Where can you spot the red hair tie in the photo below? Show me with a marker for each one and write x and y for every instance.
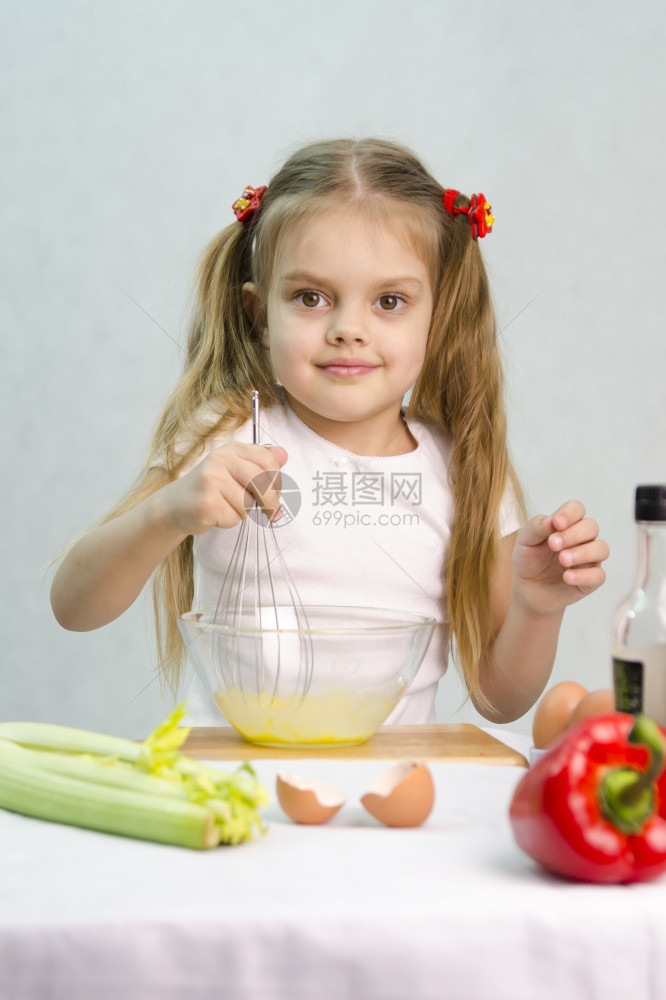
(479, 212)
(248, 203)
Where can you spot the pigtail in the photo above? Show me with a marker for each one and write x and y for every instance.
(225, 362)
(461, 387)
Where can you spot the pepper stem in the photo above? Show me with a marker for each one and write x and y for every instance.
(626, 795)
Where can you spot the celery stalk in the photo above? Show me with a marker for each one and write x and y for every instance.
(147, 790)
(96, 770)
(46, 736)
(42, 795)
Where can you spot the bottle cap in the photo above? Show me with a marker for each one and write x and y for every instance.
(651, 503)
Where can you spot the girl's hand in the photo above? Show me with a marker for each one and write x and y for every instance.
(557, 559)
(219, 491)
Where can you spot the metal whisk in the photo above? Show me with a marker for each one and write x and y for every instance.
(267, 647)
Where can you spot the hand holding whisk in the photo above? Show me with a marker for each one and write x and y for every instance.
(258, 593)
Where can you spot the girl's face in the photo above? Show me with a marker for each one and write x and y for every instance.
(348, 316)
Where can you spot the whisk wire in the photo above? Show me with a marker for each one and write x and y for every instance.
(249, 599)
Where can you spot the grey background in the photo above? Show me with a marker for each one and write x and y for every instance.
(127, 130)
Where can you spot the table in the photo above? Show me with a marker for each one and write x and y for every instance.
(347, 910)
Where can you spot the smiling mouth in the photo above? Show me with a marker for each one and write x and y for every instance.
(347, 367)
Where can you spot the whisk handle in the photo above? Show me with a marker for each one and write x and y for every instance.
(255, 417)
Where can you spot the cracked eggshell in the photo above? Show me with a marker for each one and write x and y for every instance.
(307, 801)
(402, 796)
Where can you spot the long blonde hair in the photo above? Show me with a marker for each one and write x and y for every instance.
(459, 388)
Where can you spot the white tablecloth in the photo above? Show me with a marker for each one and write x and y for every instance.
(347, 910)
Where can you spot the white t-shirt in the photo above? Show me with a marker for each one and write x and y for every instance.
(361, 531)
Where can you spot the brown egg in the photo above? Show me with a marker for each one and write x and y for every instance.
(553, 712)
(402, 796)
(305, 801)
(594, 703)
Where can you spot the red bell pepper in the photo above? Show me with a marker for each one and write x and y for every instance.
(593, 808)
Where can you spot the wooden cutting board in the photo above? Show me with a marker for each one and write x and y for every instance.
(455, 742)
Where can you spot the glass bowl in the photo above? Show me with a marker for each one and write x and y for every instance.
(310, 677)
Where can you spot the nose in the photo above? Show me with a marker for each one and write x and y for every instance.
(347, 327)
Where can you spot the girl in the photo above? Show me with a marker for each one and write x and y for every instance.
(350, 280)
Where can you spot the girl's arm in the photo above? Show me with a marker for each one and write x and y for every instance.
(104, 572)
(551, 562)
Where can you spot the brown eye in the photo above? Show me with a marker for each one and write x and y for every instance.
(310, 299)
(389, 302)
